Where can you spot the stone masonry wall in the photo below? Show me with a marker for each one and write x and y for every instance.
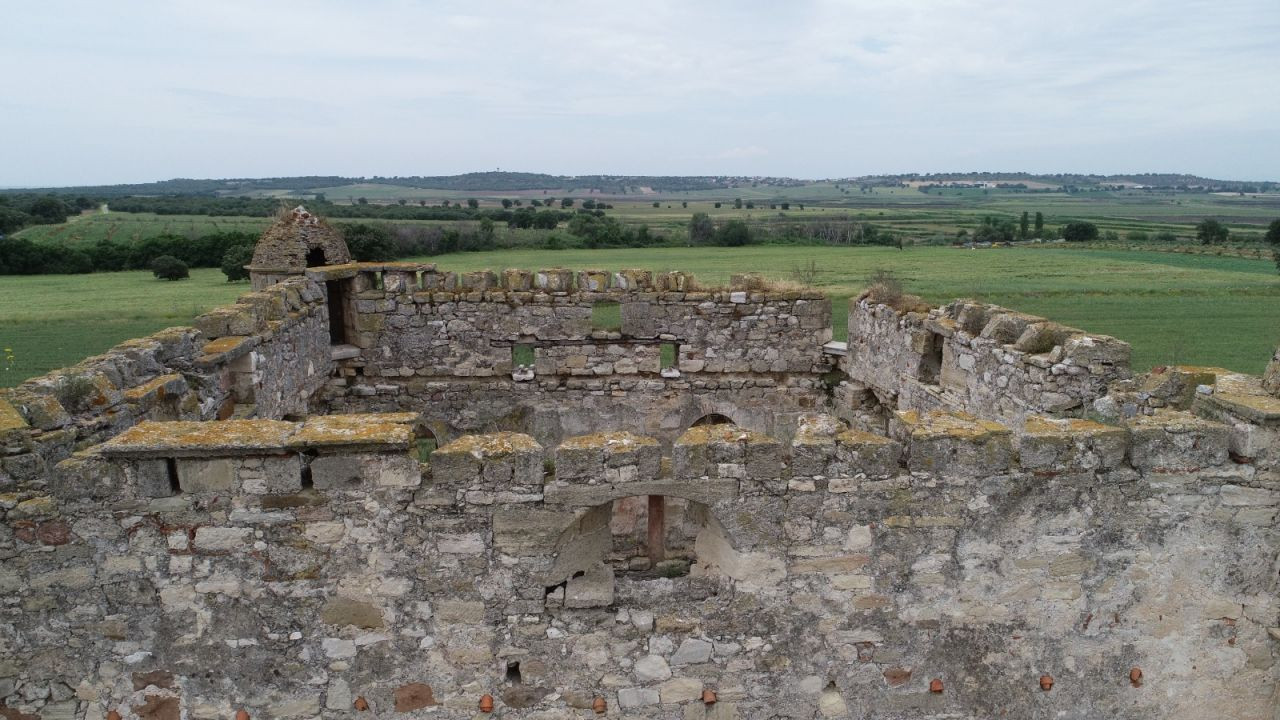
(954, 568)
(978, 358)
(432, 342)
(261, 357)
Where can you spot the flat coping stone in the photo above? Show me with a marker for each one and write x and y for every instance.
(186, 438)
(357, 430)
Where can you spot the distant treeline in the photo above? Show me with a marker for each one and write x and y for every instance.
(1158, 181)
(20, 210)
(19, 256)
(468, 182)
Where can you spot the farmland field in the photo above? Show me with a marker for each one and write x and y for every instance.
(1172, 308)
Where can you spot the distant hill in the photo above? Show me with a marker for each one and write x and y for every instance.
(623, 184)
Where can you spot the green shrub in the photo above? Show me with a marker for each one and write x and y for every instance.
(234, 260)
(1079, 231)
(168, 267)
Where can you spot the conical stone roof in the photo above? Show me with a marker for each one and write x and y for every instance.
(295, 237)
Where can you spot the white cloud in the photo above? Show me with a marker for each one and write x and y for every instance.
(146, 90)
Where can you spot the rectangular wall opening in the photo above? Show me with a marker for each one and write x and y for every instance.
(522, 355)
(606, 316)
(669, 355)
(337, 294)
(931, 361)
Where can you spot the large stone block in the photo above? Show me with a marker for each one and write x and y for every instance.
(1176, 441)
(212, 475)
(953, 443)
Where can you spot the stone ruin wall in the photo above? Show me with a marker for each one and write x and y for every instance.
(182, 569)
(431, 342)
(984, 359)
(314, 568)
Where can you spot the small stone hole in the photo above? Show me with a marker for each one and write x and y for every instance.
(171, 467)
(307, 481)
(513, 673)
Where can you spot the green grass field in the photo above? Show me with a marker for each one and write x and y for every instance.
(51, 321)
(1171, 308)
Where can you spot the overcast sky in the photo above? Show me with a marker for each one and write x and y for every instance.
(103, 92)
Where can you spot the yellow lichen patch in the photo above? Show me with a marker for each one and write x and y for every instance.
(334, 272)
(859, 437)
(1259, 408)
(608, 441)
(1170, 420)
(944, 423)
(147, 389)
(159, 438)
(817, 429)
(224, 345)
(1239, 384)
(1065, 428)
(722, 433)
(491, 445)
(10, 418)
(356, 429)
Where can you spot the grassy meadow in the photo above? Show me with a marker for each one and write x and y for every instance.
(1172, 308)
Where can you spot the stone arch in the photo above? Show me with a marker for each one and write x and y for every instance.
(712, 419)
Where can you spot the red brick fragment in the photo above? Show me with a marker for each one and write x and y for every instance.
(413, 696)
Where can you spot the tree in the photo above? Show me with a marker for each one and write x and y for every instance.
(655, 203)
(363, 201)
(717, 206)
(1164, 236)
(566, 202)
(506, 203)
(486, 229)
(473, 203)
(684, 204)
(701, 229)
(1273, 233)
(751, 205)
(994, 229)
(734, 233)
(1079, 231)
(1273, 237)
(1211, 232)
(49, 211)
(1023, 225)
(786, 206)
(234, 260)
(1039, 224)
(168, 267)
(737, 204)
(368, 243)
(12, 219)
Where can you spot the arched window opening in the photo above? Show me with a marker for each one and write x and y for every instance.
(425, 442)
(315, 257)
(712, 419)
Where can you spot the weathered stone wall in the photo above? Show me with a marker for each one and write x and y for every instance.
(264, 356)
(316, 570)
(551, 408)
(434, 342)
(415, 321)
(978, 358)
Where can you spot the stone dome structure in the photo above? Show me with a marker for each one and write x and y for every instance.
(296, 241)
